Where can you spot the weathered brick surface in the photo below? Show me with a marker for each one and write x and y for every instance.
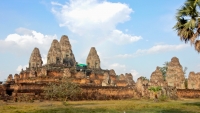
(93, 60)
(188, 93)
(194, 81)
(35, 59)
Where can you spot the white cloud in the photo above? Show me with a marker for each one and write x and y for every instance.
(24, 40)
(116, 65)
(162, 48)
(119, 69)
(85, 15)
(135, 74)
(155, 49)
(20, 67)
(94, 18)
(125, 55)
(23, 31)
(119, 37)
(44, 59)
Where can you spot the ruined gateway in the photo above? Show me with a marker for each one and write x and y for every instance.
(97, 83)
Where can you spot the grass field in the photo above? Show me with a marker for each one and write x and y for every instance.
(111, 106)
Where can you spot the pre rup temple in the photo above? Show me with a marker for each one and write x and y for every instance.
(96, 83)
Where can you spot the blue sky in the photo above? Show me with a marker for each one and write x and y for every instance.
(130, 36)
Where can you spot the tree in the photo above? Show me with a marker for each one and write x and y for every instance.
(144, 78)
(186, 80)
(155, 90)
(184, 70)
(63, 89)
(188, 23)
(164, 69)
(186, 83)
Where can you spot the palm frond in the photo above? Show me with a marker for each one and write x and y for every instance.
(197, 45)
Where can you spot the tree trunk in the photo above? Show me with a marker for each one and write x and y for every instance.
(156, 98)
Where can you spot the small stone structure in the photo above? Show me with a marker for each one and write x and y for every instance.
(54, 55)
(112, 72)
(194, 81)
(10, 78)
(93, 60)
(129, 79)
(106, 79)
(142, 85)
(35, 60)
(175, 75)
(66, 51)
(122, 77)
(157, 78)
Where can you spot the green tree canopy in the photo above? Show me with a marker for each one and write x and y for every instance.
(164, 69)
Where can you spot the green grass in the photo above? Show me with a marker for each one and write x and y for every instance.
(111, 106)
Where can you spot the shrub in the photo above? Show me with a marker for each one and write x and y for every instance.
(163, 98)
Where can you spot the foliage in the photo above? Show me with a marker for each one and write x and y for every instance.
(63, 89)
(188, 23)
(186, 83)
(155, 89)
(163, 98)
(144, 78)
(184, 70)
(186, 80)
(164, 69)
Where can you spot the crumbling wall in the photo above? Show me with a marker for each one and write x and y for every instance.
(107, 93)
(194, 81)
(2, 90)
(188, 93)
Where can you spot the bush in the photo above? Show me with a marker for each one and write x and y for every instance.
(163, 98)
(62, 90)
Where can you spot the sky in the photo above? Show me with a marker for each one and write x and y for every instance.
(130, 36)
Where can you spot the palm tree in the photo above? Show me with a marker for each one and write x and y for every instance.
(155, 90)
(188, 23)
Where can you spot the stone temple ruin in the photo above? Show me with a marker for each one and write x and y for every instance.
(194, 80)
(157, 78)
(61, 62)
(96, 83)
(93, 60)
(175, 75)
